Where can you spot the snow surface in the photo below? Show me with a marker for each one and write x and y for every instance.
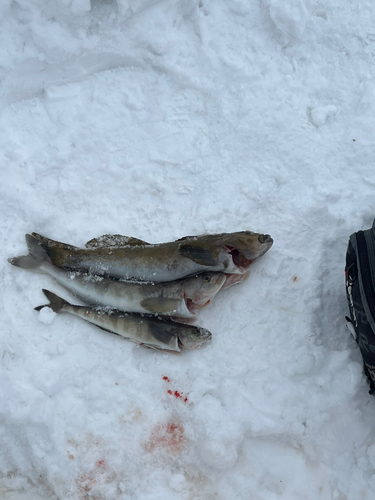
(159, 119)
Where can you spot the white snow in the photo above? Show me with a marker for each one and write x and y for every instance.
(160, 119)
(46, 316)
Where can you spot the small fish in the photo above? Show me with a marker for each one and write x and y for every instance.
(177, 298)
(124, 257)
(151, 331)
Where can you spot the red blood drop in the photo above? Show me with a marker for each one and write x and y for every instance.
(101, 466)
(169, 391)
(171, 428)
(166, 378)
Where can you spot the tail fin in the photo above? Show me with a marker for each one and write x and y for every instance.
(36, 256)
(56, 302)
(55, 250)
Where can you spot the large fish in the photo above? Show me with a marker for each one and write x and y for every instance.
(151, 331)
(126, 257)
(177, 298)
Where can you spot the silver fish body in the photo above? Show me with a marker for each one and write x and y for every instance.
(151, 331)
(179, 298)
(126, 257)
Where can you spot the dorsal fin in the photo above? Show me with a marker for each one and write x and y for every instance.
(114, 240)
(186, 238)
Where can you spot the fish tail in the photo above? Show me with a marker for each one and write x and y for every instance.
(56, 302)
(37, 255)
(55, 250)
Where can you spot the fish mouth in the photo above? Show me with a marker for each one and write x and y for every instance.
(265, 238)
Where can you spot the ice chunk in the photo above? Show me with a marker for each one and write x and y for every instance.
(320, 115)
(46, 316)
(290, 17)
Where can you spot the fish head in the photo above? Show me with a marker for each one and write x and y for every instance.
(246, 246)
(203, 287)
(192, 337)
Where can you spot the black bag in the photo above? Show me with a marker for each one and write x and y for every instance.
(360, 291)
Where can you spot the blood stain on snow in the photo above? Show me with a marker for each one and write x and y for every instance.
(100, 464)
(85, 481)
(180, 395)
(168, 436)
(295, 278)
(176, 394)
(71, 457)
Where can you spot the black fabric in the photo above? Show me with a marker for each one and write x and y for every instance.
(360, 276)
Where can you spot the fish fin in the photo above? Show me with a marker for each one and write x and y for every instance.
(114, 240)
(56, 302)
(205, 256)
(36, 256)
(160, 333)
(56, 250)
(177, 350)
(185, 238)
(161, 305)
(48, 244)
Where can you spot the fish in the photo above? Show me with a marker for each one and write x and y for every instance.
(151, 331)
(179, 298)
(124, 257)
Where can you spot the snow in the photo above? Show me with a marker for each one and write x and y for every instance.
(160, 119)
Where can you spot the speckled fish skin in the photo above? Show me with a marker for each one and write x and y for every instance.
(177, 298)
(124, 257)
(151, 331)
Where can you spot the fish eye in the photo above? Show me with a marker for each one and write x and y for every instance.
(197, 331)
(206, 278)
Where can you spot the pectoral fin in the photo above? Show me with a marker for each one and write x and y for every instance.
(161, 305)
(160, 333)
(205, 256)
(114, 240)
